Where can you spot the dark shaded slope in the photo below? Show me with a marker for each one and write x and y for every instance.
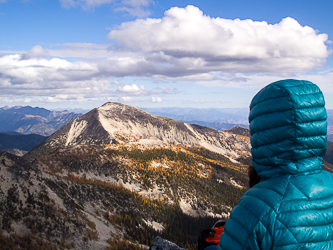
(21, 142)
(44, 148)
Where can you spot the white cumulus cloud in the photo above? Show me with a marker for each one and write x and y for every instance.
(191, 41)
(131, 88)
(35, 76)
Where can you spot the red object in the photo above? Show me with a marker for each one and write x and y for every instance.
(217, 230)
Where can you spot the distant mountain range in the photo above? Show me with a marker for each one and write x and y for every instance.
(29, 120)
(219, 118)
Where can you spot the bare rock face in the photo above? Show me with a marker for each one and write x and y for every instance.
(161, 244)
(119, 123)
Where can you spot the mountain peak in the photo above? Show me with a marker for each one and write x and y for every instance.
(110, 105)
(120, 108)
(117, 123)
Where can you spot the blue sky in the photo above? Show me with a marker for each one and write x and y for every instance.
(148, 53)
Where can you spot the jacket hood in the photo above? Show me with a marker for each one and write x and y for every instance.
(288, 125)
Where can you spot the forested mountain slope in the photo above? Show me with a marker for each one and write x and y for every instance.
(88, 197)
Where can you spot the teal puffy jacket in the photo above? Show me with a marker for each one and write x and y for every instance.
(292, 208)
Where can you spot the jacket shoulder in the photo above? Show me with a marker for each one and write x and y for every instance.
(251, 224)
(305, 216)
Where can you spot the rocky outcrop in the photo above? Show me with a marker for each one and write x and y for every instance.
(238, 130)
(161, 244)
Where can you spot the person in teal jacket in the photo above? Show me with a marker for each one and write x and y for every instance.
(292, 207)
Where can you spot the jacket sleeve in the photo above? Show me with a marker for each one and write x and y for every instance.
(249, 227)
